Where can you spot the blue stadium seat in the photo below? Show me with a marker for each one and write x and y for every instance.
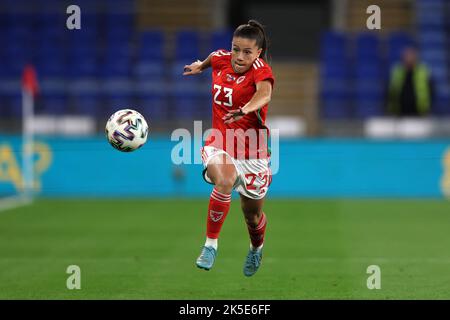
(117, 61)
(334, 45)
(83, 38)
(220, 39)
(186, 88)
(186, 107)
(118, 94)
(337, 70)
(88, 104)
(154, 107)
(431, 14)
(53, 96)
(15, 61)
(442, 100)
(4, 70)
(204, 109)
(336, 108)
(52, 22)
(116, 68)
(335, 76)
(120, 20)
(152, 98)
(149, 70)
(11, 100)
(21, 18)
(369, 71)
(52, 6)
(367, 108)
(54, 104)
(50, 48)
(119, 36)
(438, 71)
(113, 102)
(367, 47)
(117, 50)
(86, 67)
(123, 6)
(151, 45)
(431, 56)
(86, 96)
(51, 67)
(186, 94)
(431, 19)
(15, 104)
(187, 45)
(19, 36)
(436, 39)
(369, 98)
(82, 62)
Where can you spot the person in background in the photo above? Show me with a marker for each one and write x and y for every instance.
(410, 87)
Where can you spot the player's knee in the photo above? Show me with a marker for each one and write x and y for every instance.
(224, 184)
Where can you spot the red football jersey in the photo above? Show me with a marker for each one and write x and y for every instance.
(248, 136)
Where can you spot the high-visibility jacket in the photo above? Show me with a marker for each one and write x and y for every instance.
(421, 77)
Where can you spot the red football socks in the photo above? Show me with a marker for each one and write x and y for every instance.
(219, 205)
(257, 234)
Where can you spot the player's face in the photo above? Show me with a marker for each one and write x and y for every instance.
(243, 53)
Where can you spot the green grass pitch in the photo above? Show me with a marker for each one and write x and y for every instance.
(146, 249)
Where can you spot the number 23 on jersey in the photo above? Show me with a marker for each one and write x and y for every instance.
(228, 95)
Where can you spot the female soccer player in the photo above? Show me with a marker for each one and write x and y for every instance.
(235, 155)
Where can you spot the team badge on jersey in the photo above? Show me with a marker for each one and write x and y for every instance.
(240, 79)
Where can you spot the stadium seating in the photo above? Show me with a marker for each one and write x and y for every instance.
(118, 59)
(187, 45)
(335, 76)
(85, 95)
(369, 76)
(105, 65)
(152, 98)
(433, 34)
(355, 67)
(220, 39)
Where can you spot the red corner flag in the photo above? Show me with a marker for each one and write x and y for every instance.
(29, 80)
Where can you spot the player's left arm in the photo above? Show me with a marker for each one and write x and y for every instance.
(261, 97)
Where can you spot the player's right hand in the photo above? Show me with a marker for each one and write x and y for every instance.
(193, 68)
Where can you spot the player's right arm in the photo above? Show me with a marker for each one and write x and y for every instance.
(197, 66)
(216, 60)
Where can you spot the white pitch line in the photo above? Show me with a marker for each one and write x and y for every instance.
(13, 202)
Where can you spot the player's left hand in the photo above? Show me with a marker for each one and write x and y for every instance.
(233, 115)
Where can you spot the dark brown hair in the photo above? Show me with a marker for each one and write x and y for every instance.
(255, 31)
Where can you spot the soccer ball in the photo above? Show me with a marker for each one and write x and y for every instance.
(126, 130)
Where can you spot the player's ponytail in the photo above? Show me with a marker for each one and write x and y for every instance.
(254, 30)
(264, 41)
